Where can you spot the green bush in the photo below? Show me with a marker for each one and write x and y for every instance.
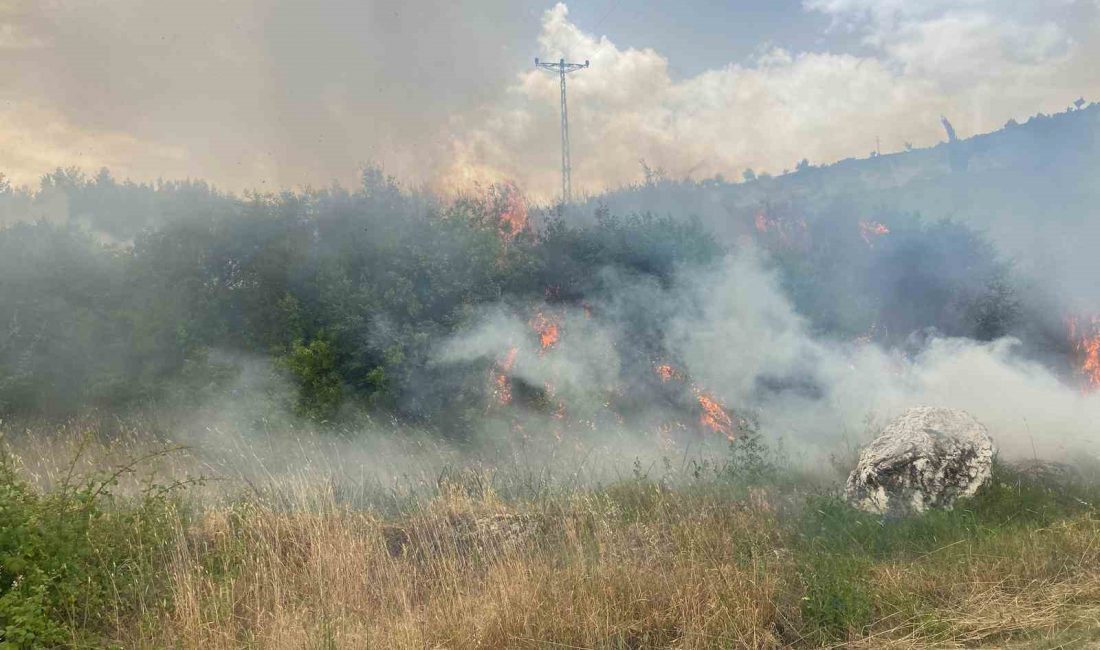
(69, 562)
(320, 388)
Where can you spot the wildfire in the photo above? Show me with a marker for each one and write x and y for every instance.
(513, 211)
(1086, 342)
(714, 417)
(499, 377)
(868, 230)
(1091, 367)
(667, 373)
(547, 328)
(785, 231)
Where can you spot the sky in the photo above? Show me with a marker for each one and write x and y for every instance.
(269, 94)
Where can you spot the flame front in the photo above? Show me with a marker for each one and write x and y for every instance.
(500, 378)
(1086, 342)
(513, 213)
(714, 417)
(547, 329)
(782, 231)
(667, 373)
(1091, 366)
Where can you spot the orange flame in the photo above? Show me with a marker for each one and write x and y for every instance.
(714, 417)
(667, 373)
(548, 330)
(513, 214)
(1091, 367)
(785, 231)
(868, 230)
(1086, 342)
(499, 377)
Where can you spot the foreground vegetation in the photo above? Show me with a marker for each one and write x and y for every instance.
(740, 553)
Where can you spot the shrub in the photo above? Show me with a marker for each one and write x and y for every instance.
(69, 563)
(320, 386)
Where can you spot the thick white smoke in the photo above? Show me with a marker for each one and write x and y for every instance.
(739, 337)
(748, 330)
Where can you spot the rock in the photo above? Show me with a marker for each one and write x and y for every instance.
(926, 458)
(1048, 472)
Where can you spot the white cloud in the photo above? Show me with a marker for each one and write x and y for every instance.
(260, 90)
(978, 61)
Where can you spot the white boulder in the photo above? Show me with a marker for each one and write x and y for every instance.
(926, 458)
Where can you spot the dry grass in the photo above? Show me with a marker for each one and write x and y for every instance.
(631, 565)
(687, 572)
(1041, 583)
(466, 574)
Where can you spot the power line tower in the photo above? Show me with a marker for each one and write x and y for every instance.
(563, 68)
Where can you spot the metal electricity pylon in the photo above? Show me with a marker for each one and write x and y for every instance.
(563, 68)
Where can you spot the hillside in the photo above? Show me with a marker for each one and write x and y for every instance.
(1031, 187)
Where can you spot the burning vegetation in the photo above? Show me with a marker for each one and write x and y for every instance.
(376, 302)
(784, 229)
(1084, 334)
(511, 205)
(677, 392)
(667, 373)
(870, 230)
(713, 417)
(500, 379)
(354, 294)
(548, 329)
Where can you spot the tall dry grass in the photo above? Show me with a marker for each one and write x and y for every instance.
(466, 572)
(290, 561)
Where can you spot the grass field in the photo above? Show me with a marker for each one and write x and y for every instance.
(743, 553)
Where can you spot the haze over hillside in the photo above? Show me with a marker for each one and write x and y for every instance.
(796, 303)
(1030, 186)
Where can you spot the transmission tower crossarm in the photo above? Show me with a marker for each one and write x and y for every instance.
(561, 66)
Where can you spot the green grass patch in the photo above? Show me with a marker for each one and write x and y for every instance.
(837, 548)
